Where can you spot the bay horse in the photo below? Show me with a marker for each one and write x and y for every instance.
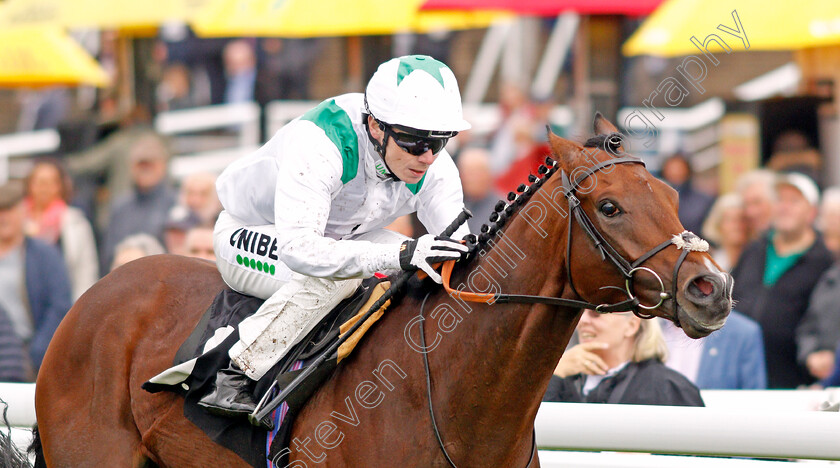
(487, 365)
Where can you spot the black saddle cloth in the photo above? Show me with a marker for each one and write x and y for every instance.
(229, 308)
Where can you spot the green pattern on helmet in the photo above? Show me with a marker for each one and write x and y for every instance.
(420, 62)
(335, 122)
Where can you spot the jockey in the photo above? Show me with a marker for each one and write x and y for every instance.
(304, 215)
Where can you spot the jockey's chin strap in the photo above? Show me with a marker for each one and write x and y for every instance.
(685, 241)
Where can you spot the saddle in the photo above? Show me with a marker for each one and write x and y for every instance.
(229, 308)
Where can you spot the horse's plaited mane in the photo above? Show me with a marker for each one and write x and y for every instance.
(610, 142)
(505, 209)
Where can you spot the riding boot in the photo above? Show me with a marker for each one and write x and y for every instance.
(233, 396)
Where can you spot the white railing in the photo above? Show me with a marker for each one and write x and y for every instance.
(683, 430)
(767, 424)
(279, 113)
(21, 412)
(243, 117)
(195, 150)
(25, 144)
(206, 161)
(569, 459)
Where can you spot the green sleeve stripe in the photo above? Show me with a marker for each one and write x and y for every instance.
(414, 188)
(335, 122)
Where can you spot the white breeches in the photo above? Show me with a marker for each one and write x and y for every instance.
(294, 303)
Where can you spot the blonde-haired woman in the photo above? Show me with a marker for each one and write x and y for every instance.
(726, 228)
(620, 359)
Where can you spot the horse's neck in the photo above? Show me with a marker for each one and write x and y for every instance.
(499, 359)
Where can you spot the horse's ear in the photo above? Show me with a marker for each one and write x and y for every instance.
(565, 150)
(603, 126)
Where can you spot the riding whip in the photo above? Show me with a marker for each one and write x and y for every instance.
(265, 408)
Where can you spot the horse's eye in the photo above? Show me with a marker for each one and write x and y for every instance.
(609, 209)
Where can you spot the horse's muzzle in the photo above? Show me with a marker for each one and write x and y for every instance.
(707, 300)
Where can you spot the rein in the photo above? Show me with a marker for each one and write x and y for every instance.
(431, 405)
(685, 241)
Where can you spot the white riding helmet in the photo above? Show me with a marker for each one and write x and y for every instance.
(418, 92)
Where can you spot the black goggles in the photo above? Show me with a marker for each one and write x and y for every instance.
(416, 145)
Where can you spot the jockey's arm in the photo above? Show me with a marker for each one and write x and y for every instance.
(303, 199)
(442, 200)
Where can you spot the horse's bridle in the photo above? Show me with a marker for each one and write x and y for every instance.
(685, 241)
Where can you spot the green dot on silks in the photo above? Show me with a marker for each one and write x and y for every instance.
(253, 263)
(239, 259)
(259, 266)
(271, 269)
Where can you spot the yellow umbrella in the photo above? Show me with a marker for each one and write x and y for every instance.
(317, 18)
(782, 25)
(43, 56)
(104, 14)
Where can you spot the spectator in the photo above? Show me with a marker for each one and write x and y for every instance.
(146, 207)
(792, 152)
(136, 246)
(513, 139)
(285, 65)
(203, 56)
(757, 192)
(694, 205)
(174, 92)
(730, 358)
(103, 172)
(43, 108)
(833, 380)
(480, 196)
(34, 288)
(198, 195)
(199, 243)
(49, 218)
(776, 274)
(829, 220)
(726, 229)
(14, 362)
(179, 222)
(619, 360)
(240, 71)
(818, 334)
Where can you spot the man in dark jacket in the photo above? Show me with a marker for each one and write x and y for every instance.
(694, 204)
(776, 274)
(14, 362)
(146, 207)
(34, 288)
(818, 333)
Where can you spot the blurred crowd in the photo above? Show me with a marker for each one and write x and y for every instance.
(51, 252)
(82, 213)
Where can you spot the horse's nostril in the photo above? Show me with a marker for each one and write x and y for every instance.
(703, 287)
